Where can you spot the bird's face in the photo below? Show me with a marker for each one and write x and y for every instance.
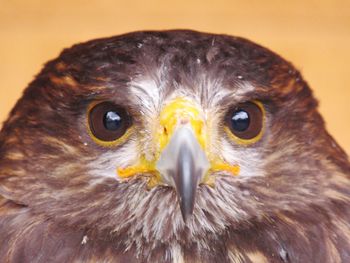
(179, 140)
(162, 135)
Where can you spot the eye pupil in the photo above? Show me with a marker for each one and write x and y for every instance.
(240, 120)
(112, 121)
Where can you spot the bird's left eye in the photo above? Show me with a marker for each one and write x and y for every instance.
(108, 122)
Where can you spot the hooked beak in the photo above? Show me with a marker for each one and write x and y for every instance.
(182, 164)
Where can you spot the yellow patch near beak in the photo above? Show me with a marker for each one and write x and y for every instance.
(220, 166)
(181, 111)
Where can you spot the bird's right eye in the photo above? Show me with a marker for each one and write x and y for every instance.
(108, 122)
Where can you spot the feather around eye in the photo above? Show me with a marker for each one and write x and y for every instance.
(245, 123)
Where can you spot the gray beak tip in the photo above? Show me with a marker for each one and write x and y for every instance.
(186, 210)
(185, 218)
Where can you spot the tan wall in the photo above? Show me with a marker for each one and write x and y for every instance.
(314, 35)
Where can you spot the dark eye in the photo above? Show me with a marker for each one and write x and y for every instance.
(108, 122)
(245, 121)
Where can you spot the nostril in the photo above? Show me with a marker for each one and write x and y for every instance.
(165, 131)
(184, 121)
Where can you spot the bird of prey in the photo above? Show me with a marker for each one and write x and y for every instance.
(171, 146)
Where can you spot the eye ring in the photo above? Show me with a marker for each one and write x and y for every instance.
(108, 123)
(245, 123)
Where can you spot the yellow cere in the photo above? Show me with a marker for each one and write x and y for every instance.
(182, 110)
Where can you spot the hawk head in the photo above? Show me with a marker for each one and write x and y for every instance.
(157, 137)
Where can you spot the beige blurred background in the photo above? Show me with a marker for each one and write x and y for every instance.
(314, 35)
